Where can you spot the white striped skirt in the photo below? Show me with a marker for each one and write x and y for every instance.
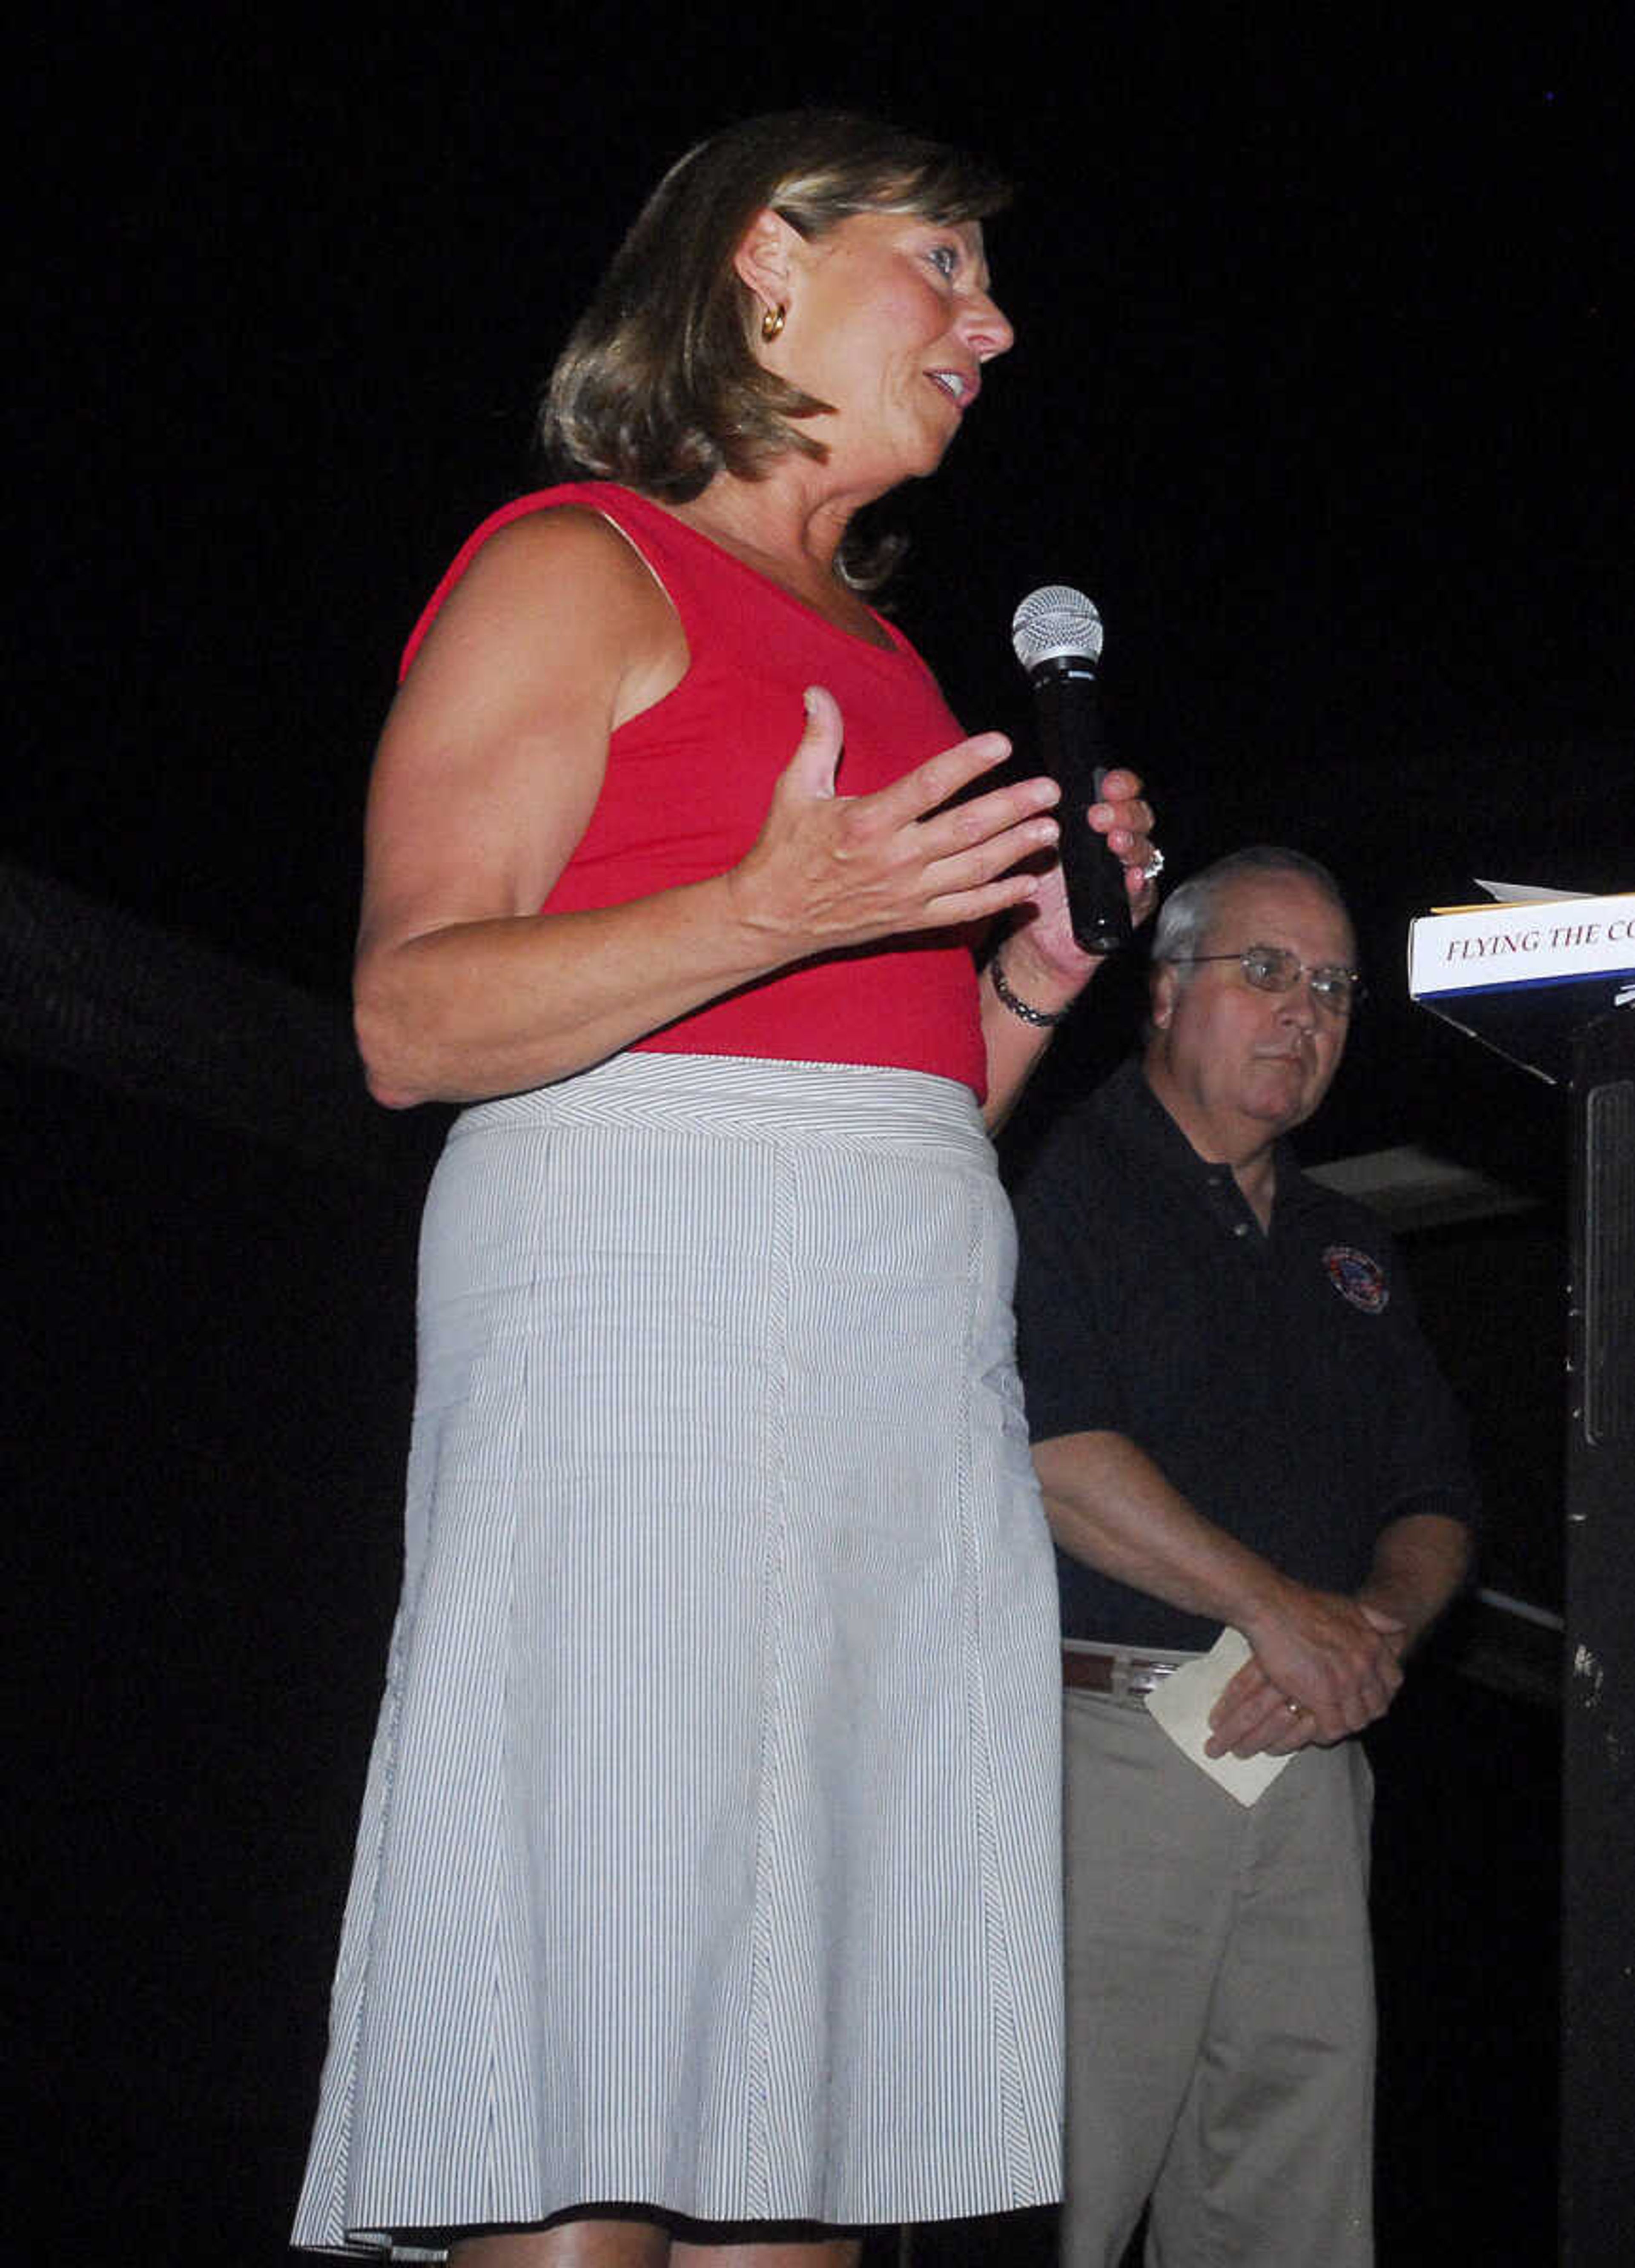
(709, 1859)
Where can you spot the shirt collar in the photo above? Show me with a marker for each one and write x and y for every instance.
(1138, 1114)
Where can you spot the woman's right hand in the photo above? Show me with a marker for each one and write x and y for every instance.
(488, 773)
(829, 869)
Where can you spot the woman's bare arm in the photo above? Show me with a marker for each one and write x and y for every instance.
(487, 775)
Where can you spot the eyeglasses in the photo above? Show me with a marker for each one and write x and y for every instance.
(1273, 968)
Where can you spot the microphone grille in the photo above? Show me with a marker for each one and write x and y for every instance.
(1055, 620)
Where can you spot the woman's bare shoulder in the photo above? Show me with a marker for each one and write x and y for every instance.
(558, 582)
(558, 541)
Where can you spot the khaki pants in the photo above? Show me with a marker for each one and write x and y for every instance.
(1220, 2026)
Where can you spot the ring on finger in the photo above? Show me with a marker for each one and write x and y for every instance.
(1154, 865)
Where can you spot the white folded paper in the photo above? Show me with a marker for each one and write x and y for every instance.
(1182, 1703)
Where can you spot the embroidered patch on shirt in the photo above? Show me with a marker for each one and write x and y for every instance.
(1356, 1278)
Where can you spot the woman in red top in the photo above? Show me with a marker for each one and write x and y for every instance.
(706, 1888)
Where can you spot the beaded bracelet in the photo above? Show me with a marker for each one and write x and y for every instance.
(1044, 1018)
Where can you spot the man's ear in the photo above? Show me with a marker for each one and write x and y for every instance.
(765, 257)
(1162, 1003)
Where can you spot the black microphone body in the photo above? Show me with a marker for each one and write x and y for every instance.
(1072, 750)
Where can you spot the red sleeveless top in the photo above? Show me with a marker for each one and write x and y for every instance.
(688, 782)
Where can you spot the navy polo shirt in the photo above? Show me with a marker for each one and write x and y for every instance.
(1280, 1380)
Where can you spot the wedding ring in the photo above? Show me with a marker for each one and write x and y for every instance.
(1154, 865)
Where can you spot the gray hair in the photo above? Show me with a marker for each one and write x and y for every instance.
(1184, 923)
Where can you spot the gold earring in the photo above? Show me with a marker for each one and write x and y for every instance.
(772, 322)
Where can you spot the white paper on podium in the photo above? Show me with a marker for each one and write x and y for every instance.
(1524, 894)
(1182, 1703)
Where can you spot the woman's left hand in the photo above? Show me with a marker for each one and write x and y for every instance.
(1125, 822)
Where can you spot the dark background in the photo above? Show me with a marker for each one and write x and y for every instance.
(1320, 390)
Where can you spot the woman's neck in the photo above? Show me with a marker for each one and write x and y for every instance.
(780, 529)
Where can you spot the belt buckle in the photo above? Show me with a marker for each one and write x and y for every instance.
(1134, 1680)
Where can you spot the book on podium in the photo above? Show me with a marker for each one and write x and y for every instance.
(1525, 971)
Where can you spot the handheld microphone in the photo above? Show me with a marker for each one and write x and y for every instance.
(1058, 636)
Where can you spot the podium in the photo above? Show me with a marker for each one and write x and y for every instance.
(1551, 985)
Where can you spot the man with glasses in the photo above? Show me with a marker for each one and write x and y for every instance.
(1238, 1428)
